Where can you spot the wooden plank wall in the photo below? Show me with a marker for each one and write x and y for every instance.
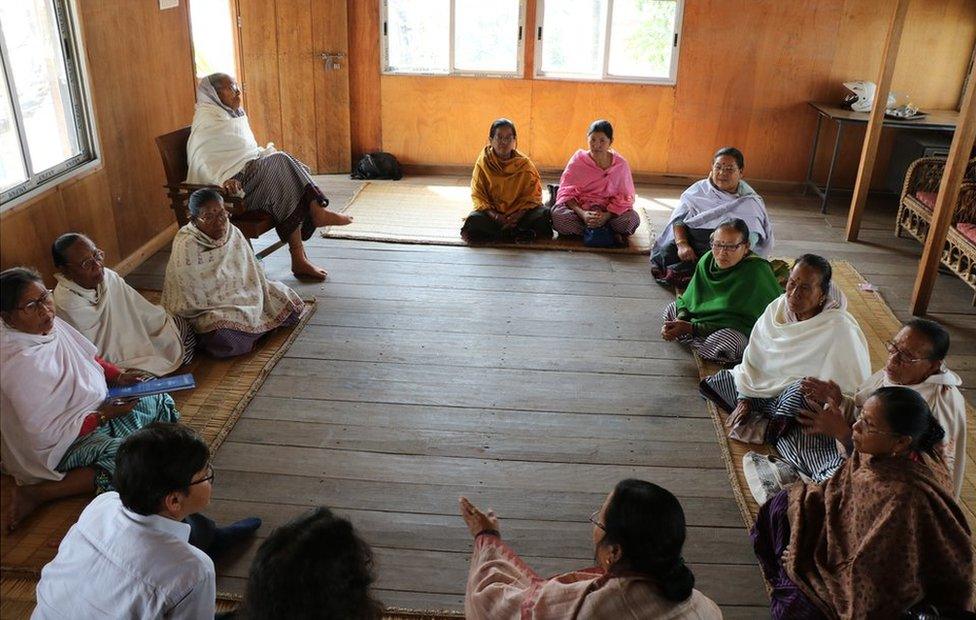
(746, 70)
(142, 85)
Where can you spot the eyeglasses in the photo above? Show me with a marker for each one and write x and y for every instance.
(900, 355)
(593, 519)
(35, 306)
(95, 260)
(498, 138)
(727, 169)
(868, 429)
(208, 478)
(725, 247)
(217, 216)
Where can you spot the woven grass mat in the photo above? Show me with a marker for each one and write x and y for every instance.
(224, 388)
(879, 324)
(399, 212)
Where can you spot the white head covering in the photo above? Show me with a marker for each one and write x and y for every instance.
(207, 93)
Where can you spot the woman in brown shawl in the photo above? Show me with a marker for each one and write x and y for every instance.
(638, 534)
(880, 536)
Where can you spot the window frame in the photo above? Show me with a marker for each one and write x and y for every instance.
(452, 68)
(671, 80)
(76, 71)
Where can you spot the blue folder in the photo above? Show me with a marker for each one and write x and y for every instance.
(153, 386)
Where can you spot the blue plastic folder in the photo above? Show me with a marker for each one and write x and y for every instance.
(153, 386)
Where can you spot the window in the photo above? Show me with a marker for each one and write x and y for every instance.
(443, 37)
(614, 40)
(45, 127)
(212, 31)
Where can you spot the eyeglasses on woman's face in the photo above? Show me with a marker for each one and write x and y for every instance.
(901, 356)
(208, 478)
(97, 259)
(725, 169)
(213, 216)
(595, 519)
(38, 305)
(725, 247)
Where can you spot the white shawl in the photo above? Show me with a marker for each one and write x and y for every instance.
(941, 392)
(829, 346)
(128, 330)
(220, 284)
(220, 145)
(49, 384)
(705, 206)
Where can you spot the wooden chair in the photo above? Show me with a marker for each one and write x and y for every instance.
(915, 214)
(172, 150)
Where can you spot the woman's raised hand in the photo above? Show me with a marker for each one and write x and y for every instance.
(476, 520)
(233, 187)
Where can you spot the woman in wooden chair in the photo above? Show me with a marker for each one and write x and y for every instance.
(881, 535)
(222, 151)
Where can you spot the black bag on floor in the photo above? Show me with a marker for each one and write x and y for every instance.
(377, 166)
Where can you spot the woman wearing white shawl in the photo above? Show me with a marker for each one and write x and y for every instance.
(58, 434)
(805, 332)
(127, 330)
(702, 207)
(222, 151)
(214, 281)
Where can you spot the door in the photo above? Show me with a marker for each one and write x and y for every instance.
(294, 96)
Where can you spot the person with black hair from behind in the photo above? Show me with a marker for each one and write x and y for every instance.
(143, 551)
(638, 534)
(315, 567)
(880, 536)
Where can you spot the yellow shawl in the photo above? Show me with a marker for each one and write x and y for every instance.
(505, 185)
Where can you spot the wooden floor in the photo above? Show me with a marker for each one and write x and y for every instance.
(530, 381)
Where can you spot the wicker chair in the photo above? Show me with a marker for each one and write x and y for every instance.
(172, 150)
(915, 214)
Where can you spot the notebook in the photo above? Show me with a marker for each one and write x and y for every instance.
(153, 386)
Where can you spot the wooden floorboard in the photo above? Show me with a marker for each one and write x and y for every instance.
(530, 381)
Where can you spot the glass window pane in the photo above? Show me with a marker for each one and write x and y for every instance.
(573, 37)
(418, 35)
(213, 37)
(642, 38)
(11, 163)
(33, 41)
(486, 35)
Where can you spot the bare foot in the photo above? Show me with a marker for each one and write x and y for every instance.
(19, 503)
(330, 218)
(304, 269)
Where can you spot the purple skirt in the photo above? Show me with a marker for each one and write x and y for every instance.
(770, 537)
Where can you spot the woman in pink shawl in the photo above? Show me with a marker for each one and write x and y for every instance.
(638, 534)
(596, 189)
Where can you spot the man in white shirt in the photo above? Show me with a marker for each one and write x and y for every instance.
(129, 555)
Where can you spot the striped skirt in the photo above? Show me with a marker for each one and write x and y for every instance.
(814, 456)
(98, 448)
(282, 186)
(188, 336)
(566, 222)
(724, 346)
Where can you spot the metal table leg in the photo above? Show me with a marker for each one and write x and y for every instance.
(813, 154)
(830, 171)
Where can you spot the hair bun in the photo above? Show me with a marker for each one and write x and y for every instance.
(676, 581)
(933, 435)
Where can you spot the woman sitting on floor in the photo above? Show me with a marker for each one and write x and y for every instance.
(507, 193)
(638, 534)
(881, 535)
(222, 151)
(59, 434)
(805, 332)
(702, 207)
(596, 189)
(730, 289)
(214, 281)
(333, 566)
(127, 330)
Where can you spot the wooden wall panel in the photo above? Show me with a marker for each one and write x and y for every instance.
(296, 79)
(259, 57)
(365, 125)
(142, 85)
(445, 120)
(747, 70)
(332, 120)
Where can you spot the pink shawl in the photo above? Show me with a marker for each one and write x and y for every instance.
(595, 188)
(501, 586)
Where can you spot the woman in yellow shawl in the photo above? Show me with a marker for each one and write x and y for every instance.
(507, 193)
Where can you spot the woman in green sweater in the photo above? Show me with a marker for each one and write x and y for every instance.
(728, 292)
